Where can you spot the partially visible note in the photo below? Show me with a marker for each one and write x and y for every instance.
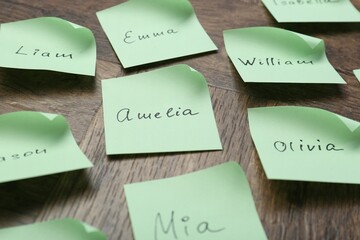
(165, 110)
(143, 31)
(210, 204)
(306, 144)
(274, 55)
(313, 10)
(357, 74)
(35, 144)
(48, 43)
(62, 229)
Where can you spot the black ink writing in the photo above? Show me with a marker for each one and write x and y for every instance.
(302, 2)
(27, 154)
(270, 61)
(125, 115)
(296, 146)
(171, 112)
(130, 37)
(171, 226)
(175, 228)
(38, 52)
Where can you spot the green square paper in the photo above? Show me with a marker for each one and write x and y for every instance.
(274, 55)
(210, 204)
(48, 43)
(313, 10)
(35, 144)
(166, 110)
(306, 144)
(143, 31)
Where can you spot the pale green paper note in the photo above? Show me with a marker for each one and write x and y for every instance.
(48, 43)
(62, 229)
(143, 31)
(274, 55)
(306, 144)
(312, 10)
(210, 204)
(36, 144)
(357, 74)
(166, 110)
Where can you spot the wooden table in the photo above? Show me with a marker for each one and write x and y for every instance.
(288, 210)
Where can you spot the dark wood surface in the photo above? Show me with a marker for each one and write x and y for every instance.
(288, 210)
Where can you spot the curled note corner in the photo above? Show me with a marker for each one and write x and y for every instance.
(58, 21)
(276, 39)
(76, 26)
(192, 69)
(93, 232)
(56, 229)
(70, 26)
(195, 74)
(185, 68)
(50, 116)
(349, 123)
(316, 45)
(38, 116)
(189, 69)
(312, 42)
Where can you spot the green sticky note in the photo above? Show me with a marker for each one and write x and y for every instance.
(210, 204)
(62, 229)
(143, 31)
(312, 10)
(166, 110)
(274, 55)
(36, 144)
(48, 43)
(306, 144)
(357, 74)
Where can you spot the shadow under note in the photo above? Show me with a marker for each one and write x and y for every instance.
(136, 156)
(315, 28)
(291, 91)
(41, 81)
(165, 63)
(313, 194)
(21, 201)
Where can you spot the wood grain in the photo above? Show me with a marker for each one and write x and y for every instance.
(288, 210)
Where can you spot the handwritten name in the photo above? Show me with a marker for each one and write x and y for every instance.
(281, 146)
(273, 62)
(130, 37)
(125, 115)
(37, 52)
(302, 2)
(176, 227)
(27, 154)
